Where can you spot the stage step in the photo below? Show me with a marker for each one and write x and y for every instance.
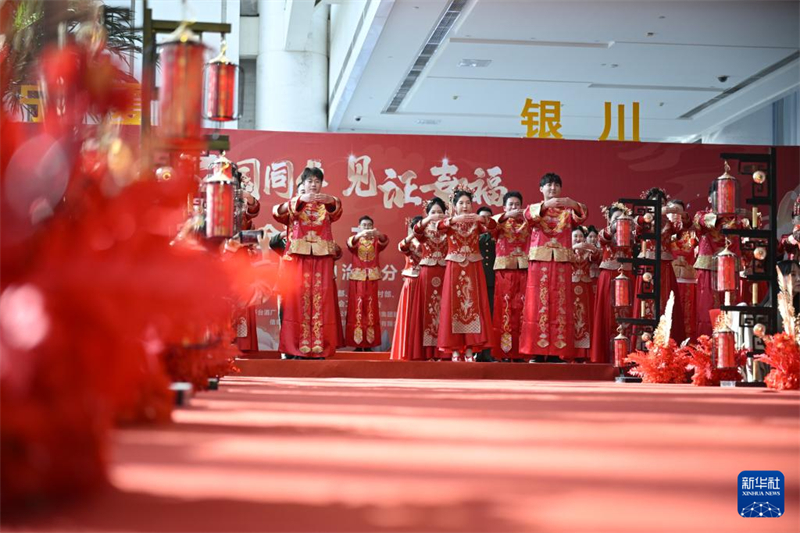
(424, 370)
(338, 356)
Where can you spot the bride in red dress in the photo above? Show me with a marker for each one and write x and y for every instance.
(465, 325)
(582, 291)
(433, 247)
(404, 345)
(604, 317)
(684, 248)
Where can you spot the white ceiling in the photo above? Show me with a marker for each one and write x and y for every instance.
(581, 54)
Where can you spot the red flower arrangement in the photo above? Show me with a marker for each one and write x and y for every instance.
(660, 363)
(92, 294)
(783, 349)
(783, 355)
(705, 372)
(663, 362)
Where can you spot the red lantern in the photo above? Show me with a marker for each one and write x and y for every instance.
(726, 195)
(621, 296)
(219, 206)
(223, 166)
(180, 95)
(621, 349)
(724, 348)
(222, 98)
(624, 233)
(726, 271)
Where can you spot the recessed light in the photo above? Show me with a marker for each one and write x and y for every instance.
(474, 62)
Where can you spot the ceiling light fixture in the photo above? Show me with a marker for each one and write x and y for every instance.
(474, 62)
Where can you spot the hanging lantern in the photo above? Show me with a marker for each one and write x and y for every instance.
(726, 270)
(219, 206)
(624, 235)
(725, 197)
(621, 296)
(222, 165)
(222, 102)
(180, 94)
(724, 347)
(621, 348)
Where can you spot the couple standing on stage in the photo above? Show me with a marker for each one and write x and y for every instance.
(444, 310)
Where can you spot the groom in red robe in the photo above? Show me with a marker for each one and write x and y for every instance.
(547, 323)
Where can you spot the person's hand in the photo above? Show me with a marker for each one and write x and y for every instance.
(307, 198)
(432, 218)
(232, 245)
(324, 198)
(565, 203)
(248, 197)
(515, 213)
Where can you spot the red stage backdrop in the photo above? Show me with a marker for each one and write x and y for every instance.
(389, 177)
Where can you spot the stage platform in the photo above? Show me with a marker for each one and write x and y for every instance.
(338, 356)
(372, 369)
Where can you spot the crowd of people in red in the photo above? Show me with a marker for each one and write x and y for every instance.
(528, 284)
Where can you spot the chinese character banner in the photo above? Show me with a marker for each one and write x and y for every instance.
(389, 177)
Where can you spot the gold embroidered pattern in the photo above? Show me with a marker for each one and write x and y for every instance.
(561, 311)
(429, 336)
(366, 250)
(581, 330)
(370, 322)
(316, 320)
(506, 342)
(465, 319)
(544, 338)
(358, 334)
(365, 274)
(313, 214)
(305, 329)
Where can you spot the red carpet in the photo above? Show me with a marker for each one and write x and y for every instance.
(309, 455)
(333, 368)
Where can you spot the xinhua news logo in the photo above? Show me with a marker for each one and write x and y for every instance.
(761, 494)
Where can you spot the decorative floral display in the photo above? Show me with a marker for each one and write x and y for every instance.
(99, 312)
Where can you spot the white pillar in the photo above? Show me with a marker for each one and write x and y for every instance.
(291, 86)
